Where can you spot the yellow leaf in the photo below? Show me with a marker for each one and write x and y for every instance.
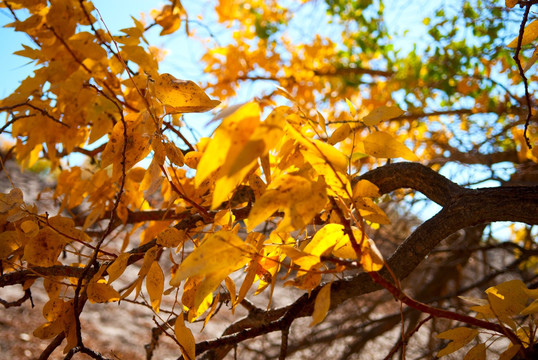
(192, 158)
(116, 269)
(382, 113)
(352, 109)
(340, 134)
(325, 239)
(371, 258)
(155, 285)
(221, 251)
(135, 150)
(242, 156)
(182, 96)
(321, 305)
(230, 285)
(459, 337)
(49, 329)
(321, 122)
(225, 146)
(185, 338)
(303, 259)
(383, 145)
(299, 198)
(171, 237)
(174, 154)
(365, 188)
(206, 287)
(212, 310)
(99, 292)
(11, 200)
(306, 282)
(53, 309)
(532, 60)
(9, 242)
(477, 352)
(320, 149)
(44, 249)
(152, 178)
(529, 35)
(169, 18)
(507, 300)
(510, 3)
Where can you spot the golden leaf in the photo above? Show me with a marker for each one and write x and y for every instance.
(171, 237)
(383, 145)
(228, 140)
(529, 35)
(185, 338)
(182, 96)
(9, 242)
(116, 269)
(321, 305)
(44, 249)
(365, 188)
(209, 257)
(299, 198)
(155, 285)
(459, 337)
(340, 134)
(100, 292)
(11, 200)
(477, 352)
(382, 113)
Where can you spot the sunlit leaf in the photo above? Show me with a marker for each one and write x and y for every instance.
(529, 35)
(381, 114)
(208, 257)
(383, 145)
(182, 96)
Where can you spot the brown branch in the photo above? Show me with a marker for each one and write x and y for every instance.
(436, 312)
(522, 71)
(27, 296)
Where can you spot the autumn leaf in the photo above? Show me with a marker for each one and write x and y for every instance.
(529, 35)
(224, 150)
(182, 96)
(299, 198)
(477, 352)
(185, 338)
(11, 200)
(155, 285)
(381, 114)
(101, 292)
(321, 305)
(207, 258)
(459, 337)
(169, 18)
(118, 266)
(383, 145)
